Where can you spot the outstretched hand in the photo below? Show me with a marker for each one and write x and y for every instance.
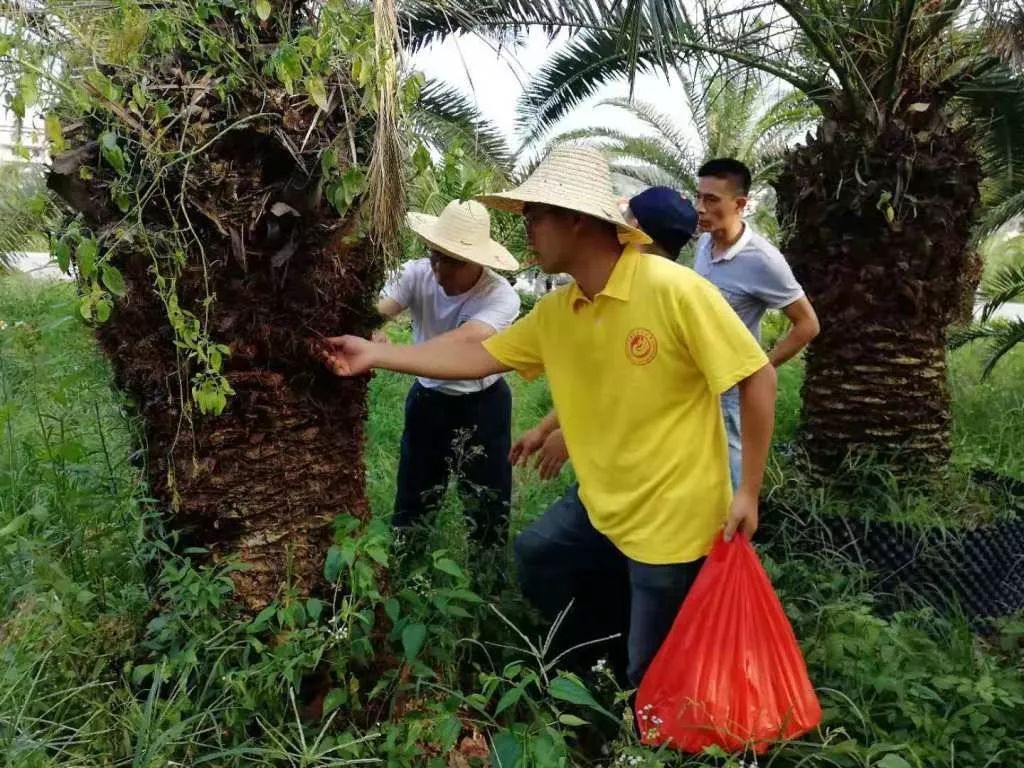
(549, 448)
(528, 444)
(348, 355)
(553, 455)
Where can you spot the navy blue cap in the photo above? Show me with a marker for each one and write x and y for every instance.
(665, 215)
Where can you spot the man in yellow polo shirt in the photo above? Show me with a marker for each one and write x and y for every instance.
(637, 351)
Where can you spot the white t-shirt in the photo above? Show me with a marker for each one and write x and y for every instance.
(492, 301)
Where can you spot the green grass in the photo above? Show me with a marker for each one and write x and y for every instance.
(110, 658)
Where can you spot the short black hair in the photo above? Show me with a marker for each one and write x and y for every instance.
(730, 169)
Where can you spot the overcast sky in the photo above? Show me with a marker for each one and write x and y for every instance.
(495, 80)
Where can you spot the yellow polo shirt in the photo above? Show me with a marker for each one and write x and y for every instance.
(635, 376)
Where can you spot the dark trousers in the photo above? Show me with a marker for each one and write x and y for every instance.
(469, 435)
(562, 557)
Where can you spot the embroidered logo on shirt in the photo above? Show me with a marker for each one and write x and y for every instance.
(641, 346)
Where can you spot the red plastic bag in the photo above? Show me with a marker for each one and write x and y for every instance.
(730, 673)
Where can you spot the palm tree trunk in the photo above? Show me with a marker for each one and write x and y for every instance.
(878, 232)
(240, 233)
(262, 481)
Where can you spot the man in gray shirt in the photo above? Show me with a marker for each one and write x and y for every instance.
(749, 271)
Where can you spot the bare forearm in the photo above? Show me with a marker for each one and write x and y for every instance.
(757, 416)
(789, 346)
(805, 327)
(549, 423)
(440, 358)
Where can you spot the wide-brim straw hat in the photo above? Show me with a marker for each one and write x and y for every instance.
(463, 231)
(573, 177)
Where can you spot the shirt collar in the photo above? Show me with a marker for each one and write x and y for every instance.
(620, 281)
(734, 249)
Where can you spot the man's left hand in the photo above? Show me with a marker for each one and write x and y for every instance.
(742, 515)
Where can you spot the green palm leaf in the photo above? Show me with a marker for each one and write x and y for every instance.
(573, 74)
(444, 114)
(1006, 285)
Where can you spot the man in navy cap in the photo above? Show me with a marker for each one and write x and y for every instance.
(668, 217)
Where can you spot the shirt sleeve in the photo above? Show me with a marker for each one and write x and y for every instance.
(772, 281)
(720, 344)
(401, 287)
(519, 345)
(499, 310)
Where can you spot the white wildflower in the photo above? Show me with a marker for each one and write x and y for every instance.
(600, 666)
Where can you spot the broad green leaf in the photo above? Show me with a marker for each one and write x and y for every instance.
(413, 637)
(141, 672)
(113, 280)
(317, 92)
(85, 256)
(892, 761)
(103, 310)
(572, 721)
(62, 253)
(263, 9)
(54, 134)
(393, 609)
(569, 688)
(314, 608)
(548, 749)
(28, 88)
(335, 698)
(85, 307)
(448, 732)
(450, 567)
(510, 699)
(258, 624)
(506, 751)
(112, 152)
(332, 566)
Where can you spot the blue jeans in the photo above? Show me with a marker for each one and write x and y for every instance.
(561, 557)
(731, 413)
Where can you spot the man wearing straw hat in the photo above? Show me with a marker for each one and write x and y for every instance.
(636, 351)
(670, 220)
(465, 423)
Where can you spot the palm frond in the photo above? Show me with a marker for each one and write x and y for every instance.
(1001, 288)
(649, 175)
(674, 168)
(1006, 33)
(27, 211)
(423, 22)
(573, 74)
(790, 116)
(1004, 204)
(995, 102)
(443, 114)
(1001, 337)
(666, 126)
(961, 336)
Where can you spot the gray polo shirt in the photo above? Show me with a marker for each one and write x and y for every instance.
(752, 275)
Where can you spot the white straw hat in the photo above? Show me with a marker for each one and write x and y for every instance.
(573, 177)
(463, 231)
